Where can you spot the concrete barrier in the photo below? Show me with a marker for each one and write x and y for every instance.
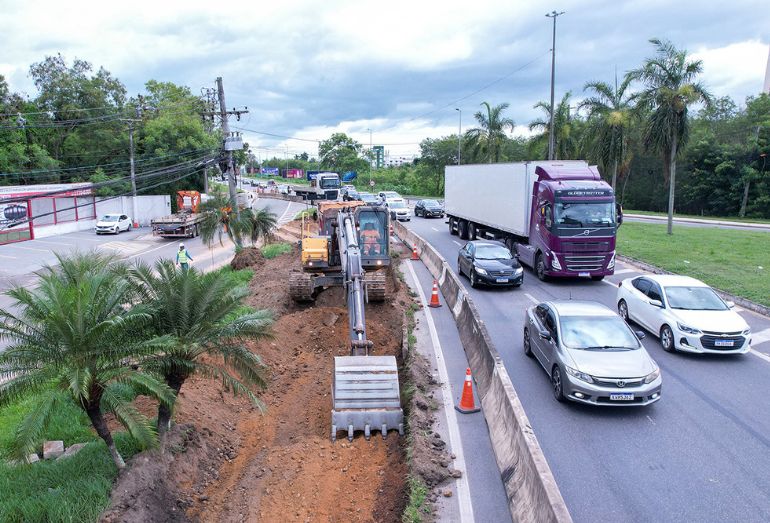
(529, 484)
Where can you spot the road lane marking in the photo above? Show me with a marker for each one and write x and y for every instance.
(761, 336)
(35, 242)
(651, 420)
(624, 271)
(532, 298)
(760, 355)
(608, 282)
(31, 248)
(463, 490)
(288, 208)
(434, 229)
(457, 243)
(9, 257)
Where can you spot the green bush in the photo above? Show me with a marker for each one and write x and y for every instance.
(275, 249)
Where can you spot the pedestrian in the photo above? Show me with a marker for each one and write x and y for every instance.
(183, 257)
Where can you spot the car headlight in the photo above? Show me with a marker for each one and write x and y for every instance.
(746, 332)
(518, 271)
(652, 376)
(481, 271)
(579, 375)
(611, 264)
(687, 329)
(555, 262)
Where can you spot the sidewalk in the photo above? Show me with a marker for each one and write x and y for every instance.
(479, 494)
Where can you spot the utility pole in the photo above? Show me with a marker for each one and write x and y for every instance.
(551, 137)
(134, 216)
(459, 134)
(226, 132)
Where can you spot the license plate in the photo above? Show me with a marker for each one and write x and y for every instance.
(502, 280)
(584, 274)
(621, 396)
(724, 343)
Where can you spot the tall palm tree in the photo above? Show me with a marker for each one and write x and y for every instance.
(489, 136)
(219, 219)
(258, 224)
(200, 317)
(610, 114)
(671, 87)
(565, 144)
(74, 339)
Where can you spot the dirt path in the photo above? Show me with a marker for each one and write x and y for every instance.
(230, 462)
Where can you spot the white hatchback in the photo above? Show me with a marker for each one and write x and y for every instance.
(685, 313)
(113, 223)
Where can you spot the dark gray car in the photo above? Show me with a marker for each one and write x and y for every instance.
(489, 262)
(591, 355)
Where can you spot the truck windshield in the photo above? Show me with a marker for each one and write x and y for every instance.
(584, 214)
(330, 183)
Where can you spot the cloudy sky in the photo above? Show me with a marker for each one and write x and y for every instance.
(308, 68)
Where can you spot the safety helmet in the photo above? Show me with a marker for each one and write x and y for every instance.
(181, 245)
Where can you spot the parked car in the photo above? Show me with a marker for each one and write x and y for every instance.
(428, 209)
(388, 195)
(685, 313)
(113, 223)
(489, 262)
(398, 209)
(368, 198)
(591, 355)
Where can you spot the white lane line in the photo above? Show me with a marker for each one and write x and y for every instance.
(760, 355)
(457, 243)
(288, 208)
(148, 251)
(760, 337)
(532, 298)
(60, 244)
(31, 248)
(625, 271)
(434, 229)
(610, 283)
(463, 490)
(651, 420)
(9, 257)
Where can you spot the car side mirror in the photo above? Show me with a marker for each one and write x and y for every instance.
(655, 303)
(640, 334)
(730, 304)
(545, 335)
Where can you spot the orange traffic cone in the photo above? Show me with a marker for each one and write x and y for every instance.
(415, 256)
(467, 404)
(434, 297)
(135, 225)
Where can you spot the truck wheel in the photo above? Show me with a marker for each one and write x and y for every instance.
(452, 229)
(462, 229)
(472, 231)
(540, 267)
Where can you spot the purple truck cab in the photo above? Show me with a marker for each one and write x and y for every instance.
(572, 225)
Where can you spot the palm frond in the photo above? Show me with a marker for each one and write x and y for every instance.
(29, 433)
(127, 415)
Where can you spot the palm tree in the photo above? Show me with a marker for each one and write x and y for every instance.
(489, 137)
(258, 224)
(204, 326)
(610, 113)
(565, 145)
(671, 88)
(74, 339)
(219, 219)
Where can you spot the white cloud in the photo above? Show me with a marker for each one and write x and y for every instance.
(735, 68)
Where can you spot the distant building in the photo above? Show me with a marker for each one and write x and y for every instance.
(396, 161)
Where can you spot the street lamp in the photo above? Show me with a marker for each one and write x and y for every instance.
(551, 143)
(459, 133)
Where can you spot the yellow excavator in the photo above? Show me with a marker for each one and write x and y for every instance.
(352, 250)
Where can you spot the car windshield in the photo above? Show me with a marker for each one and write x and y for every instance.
(431, 203)
(492, 252)
(110, 218)
(391, 194)
(694, 299)
(584, 214)
(597, 333)
(397, 205)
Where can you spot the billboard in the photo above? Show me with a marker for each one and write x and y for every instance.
(294, 173)
(270, 171)
(12, 214)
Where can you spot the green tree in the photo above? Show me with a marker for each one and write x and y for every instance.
(610, 115)
(487, 139)
(435, 154)
(219, 219)
(341, 153)
(72, 339)
(671, 87)
(204, 328)
(258, 224)
(565, 139)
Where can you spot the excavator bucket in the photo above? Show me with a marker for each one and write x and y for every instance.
(365, 396)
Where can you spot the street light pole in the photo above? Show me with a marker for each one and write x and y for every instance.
(459, 134)
(551, 142)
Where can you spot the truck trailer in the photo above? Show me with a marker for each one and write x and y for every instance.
(183, 224)
(558, 217)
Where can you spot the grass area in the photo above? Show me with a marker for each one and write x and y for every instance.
(74, 489)
(418, 508)
(307, 213)
(718, 218)
(275, 249)
(734, 261)
(236, 278)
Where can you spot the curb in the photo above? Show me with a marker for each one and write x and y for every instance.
(748, 225)
(738, 300)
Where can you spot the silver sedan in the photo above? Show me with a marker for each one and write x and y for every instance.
(591, 354)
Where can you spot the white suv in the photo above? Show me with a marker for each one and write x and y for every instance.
(398, 209)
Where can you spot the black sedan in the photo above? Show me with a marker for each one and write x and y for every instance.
(428, 208)
(489, 262)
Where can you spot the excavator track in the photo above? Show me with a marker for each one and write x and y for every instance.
(376, 288)
(301, 287)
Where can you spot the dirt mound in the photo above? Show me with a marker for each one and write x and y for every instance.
(246, 257)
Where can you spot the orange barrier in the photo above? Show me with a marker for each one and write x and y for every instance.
(467, 405)
(434, 295)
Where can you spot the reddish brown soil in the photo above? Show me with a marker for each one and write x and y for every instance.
(227, 461)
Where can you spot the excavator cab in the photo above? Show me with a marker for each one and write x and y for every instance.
(373, 237)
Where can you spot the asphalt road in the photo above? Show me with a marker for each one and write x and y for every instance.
(702, 453)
